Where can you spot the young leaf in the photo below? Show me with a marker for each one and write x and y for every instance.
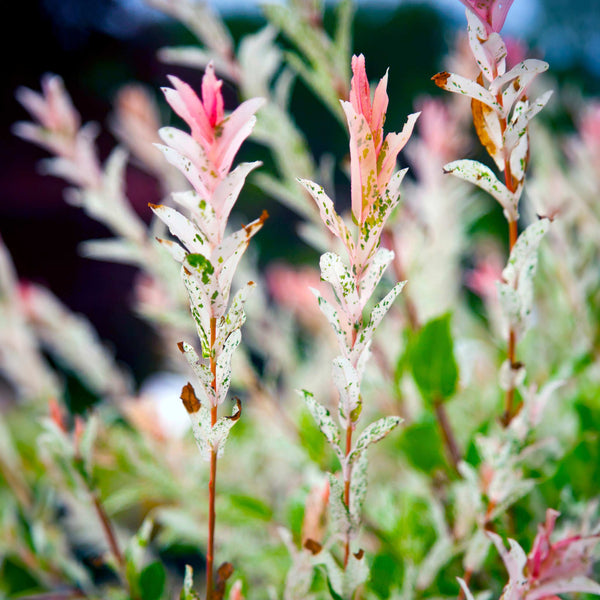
(358, 487)
(347, 383)
(434, 366)
(338, 512)
(224, 365)
(187, 592)
(219, 432)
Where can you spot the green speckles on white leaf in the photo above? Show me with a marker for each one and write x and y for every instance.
(358, 487)
(483, 177)
(182, 228)
(379, 311)
(235, 317)
(461, 85)
(374, 272)
(373, 433)
(332, 314)
(221, 429)
(519, 123)
(329, 216)
(335, 272)
(202, 372)
(338, 512)
(324, 421)
(516, 291)
(201, 429)
(347, 383)
(224, 364)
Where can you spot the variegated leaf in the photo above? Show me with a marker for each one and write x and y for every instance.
(199, 305)
(489, 51)
(202, 371)
(324, 421)
(174, 249)
(489, 131)
(335, 272)
(186, 166)
(338, 512)
(224, 364)
(338, 321)
(227, 256)
(347, 383)
(516, 81)
(358, 487)
(356, 573)
(332, 220)
(220, 430)
(461, 85)
(182, 228)
(518, 124)
(379, 311)
(483, 177)
(228, 190)
(201, 427)
(235, 317)
(373, 433)
(202, 213)
(372, 276)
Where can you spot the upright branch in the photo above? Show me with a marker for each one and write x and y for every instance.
(501, 115)
(208, 256)
(375, 192)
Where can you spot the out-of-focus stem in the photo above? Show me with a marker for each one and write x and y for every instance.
(107, 527)
(447, 434)
(210, 545)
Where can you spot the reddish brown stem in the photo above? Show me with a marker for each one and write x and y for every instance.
(347, 492)
(447, 434)
(109, 532)
(210, 545)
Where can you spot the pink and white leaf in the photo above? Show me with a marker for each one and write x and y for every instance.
(189, 170)
(363, 162)
(338, 321)
(228, 190)
(202, 213)
(489, 52)
(232, 132)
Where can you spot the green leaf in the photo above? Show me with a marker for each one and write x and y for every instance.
(434, 366)
(152, 581)
(421, 444)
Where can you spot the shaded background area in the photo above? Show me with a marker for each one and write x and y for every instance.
(99, 45)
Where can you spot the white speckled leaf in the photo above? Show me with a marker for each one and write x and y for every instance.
(522, 265)
(174, 249)
(356, 573)
(486, 60)
(199, 305)
(517, 80)
(201, 211)
(358, 487)
(338, 513)
(335, 272)
(182, 228)
(483, 177)
(221, 429)
(324, 421)
(340, 327)
(229, 189)
(379, 311)
(202, 371)
(518, 124)
(332, 220)
(201, 429)
(224, 364)
(235, 317)
(461, 85)
(373, 433)
(347, 383)
(372, 276)
(185, 165)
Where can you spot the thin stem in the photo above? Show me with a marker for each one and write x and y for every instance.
(447, 433)
(347, 491)
(210, 546)
(108, 529)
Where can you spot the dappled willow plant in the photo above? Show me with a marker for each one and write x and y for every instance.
(375, 191)
(208, 256)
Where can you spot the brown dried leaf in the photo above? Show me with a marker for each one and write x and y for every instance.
(313, 546)
(234, 417)
(189, 398)
(224, 572)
